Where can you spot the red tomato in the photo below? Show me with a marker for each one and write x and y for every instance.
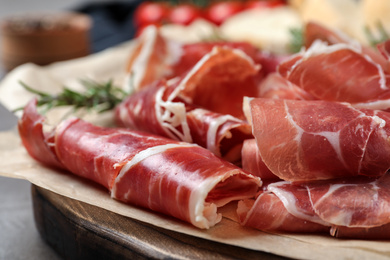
(263, 4)
(218, 12)
(150, 13)
(184, 14)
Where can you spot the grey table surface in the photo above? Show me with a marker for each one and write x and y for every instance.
(19, 238)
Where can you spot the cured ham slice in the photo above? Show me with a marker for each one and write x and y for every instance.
(253, 163)
(268, 213)
(314, 140)
(336, 68)
(356, 207)
(277, 87)
(178, 179)
(194, 52)
(338, 72)
(150, 59)
(204, 106)
(155, 57)
(219, 81)
(315, 31)
(150, 110)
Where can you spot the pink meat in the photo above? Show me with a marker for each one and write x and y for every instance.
(313, 140)
(36, 142)
(253, 163)
(277, 87)
(315, 31)
(268, 213)
(150, 110)
(340, 74)
(357, 207)
(180, 179)
(353, 202)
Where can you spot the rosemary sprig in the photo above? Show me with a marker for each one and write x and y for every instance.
(374, 40)
(100, 97)
(297, 40)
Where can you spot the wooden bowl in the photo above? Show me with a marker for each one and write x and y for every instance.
(44, 38)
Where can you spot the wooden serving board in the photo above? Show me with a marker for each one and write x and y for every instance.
(77, 230)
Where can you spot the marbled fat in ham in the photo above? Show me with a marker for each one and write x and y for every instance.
(314, 140)
(179, 179)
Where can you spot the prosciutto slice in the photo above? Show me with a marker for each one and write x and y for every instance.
(155, 57)
(342, 72)
(203, 107)
(150, 59)
(356, 207)
(277, 87)
(339, 72)
(314, 140)
(315, 31)
(150, 110)
(268, 213)
(175, 178)
(252, 161)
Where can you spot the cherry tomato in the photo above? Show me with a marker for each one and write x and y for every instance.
(150, 13)
(218, 12)
(263, 4)
(184, 14)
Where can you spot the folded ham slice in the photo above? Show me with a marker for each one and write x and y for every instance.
(150, 110)
(314, 140)
(343, 72)
(253, 163)
(204, 106)
(155, 57)
(175, 178)
(357, 207)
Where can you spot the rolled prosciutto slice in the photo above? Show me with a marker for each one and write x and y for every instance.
(356, 207)
(203, 107)
(314, 140)
(150, 110)
(340, 72)
(175, 178)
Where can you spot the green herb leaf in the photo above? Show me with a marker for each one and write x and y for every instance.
(382, 34)
(297, 40)
(100, 97)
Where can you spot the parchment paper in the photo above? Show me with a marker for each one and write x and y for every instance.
(16, 163)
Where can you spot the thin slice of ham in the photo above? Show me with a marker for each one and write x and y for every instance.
(314, 31)
(151, 58)
(268, 213)
(175, 178)
(204, 106)
(314, 140)
(155, 57)
(253, 163)
(357, 207)
(219, 81)
(277, 87)
(150, 110)
(338, 72)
